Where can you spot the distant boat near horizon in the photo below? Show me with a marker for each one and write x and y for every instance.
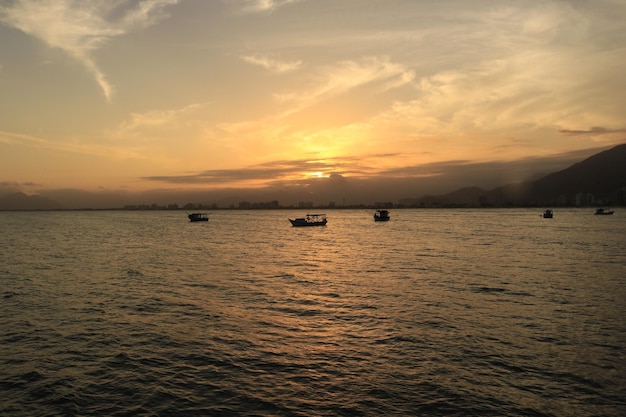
(198, 217)
(548, 214)
(381, 216)
(603, 212)
(309, 220)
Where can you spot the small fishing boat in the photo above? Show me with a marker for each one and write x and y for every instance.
(309, 220)
(603, 212)
(548, 214)
(381, 216)
(198, 217)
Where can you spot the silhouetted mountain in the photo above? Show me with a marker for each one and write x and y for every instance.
(21, 201)
(602, 175)
(599, 179)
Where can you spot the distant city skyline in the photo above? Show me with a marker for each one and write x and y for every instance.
(597, 180)
(387, 99)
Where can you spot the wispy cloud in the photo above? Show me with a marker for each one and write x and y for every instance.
(275, 171)
(10, 138)
(163, 121)
(346, 75)
(71, 146)
(271, 64)
(80, 27)
(296, 131)
(17, 185)
(451, 173)
(265, 5)
(594, 131)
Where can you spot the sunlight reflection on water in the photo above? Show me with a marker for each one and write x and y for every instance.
(449, 312)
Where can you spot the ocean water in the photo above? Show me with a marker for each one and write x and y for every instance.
(435, 313)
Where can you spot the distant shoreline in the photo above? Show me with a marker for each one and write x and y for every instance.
(316, 208)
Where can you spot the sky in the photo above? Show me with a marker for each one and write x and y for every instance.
(129, 95)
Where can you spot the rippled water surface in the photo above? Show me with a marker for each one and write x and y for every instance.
(435, 313)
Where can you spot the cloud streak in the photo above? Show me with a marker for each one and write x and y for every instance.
(273, 171)
(331, 81)
(265, 5)
(284, 180)
(272, 65)
(594, 131)
(80, 27)
(71, 146)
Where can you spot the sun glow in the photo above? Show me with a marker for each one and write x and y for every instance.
(276, 113)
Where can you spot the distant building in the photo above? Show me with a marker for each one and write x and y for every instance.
(583, 200)
(620, 195)
(579, 200)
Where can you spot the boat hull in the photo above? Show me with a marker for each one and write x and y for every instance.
(300, 223)
(198, 217)
(381, 216)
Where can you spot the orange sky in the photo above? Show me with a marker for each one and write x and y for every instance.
(157, 94)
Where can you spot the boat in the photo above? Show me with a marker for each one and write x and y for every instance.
(198, 217)
(548, 214)
(309, 220)
(603, 212)
(381, 216)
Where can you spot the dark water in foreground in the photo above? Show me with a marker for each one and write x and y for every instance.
(436, 313)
